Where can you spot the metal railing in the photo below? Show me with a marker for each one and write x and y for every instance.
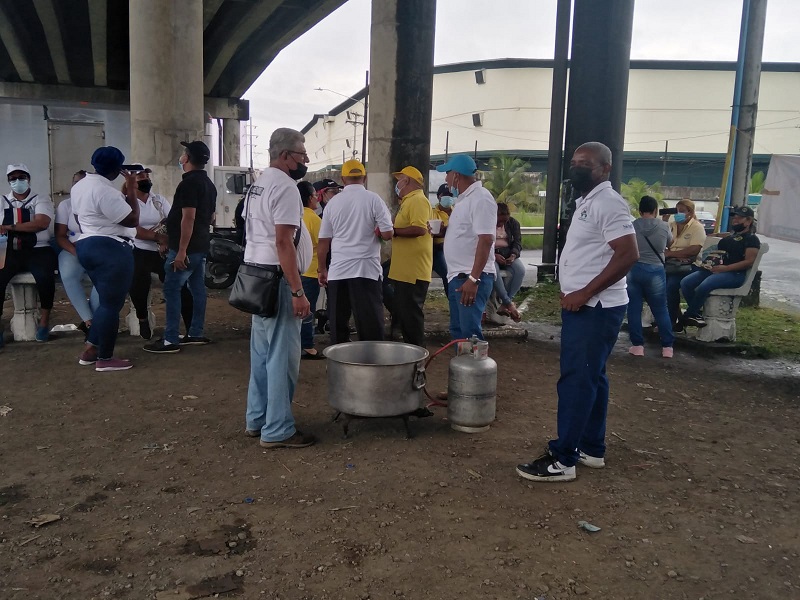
(532, 230)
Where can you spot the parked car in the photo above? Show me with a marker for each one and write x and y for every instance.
(708, 220)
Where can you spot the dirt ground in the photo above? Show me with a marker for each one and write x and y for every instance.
(160, 495)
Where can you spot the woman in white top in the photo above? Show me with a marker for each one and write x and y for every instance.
(104, 217)
(69, 268)
(149, 251)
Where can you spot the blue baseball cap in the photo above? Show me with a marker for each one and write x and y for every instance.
(460, 163)
(107, 160)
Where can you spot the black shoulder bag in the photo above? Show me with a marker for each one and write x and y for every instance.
(257, 286)
(656, 252)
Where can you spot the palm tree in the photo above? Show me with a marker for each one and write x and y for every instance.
(757, 182)
(506, 179)
(636, 188)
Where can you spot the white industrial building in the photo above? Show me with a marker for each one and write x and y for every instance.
(678, 118)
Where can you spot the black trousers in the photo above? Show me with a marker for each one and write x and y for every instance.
(145, 263)
(409, 298)
(41, 263)
(361, 297)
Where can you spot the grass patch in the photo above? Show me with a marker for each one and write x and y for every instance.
(544, 303)
(530, 242)
(776, 331)
(436, 300)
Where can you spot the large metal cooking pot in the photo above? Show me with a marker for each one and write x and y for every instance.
(375, 379)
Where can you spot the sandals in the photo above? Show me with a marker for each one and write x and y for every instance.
(509, 310)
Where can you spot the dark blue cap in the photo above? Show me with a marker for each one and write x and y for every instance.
(107, 160)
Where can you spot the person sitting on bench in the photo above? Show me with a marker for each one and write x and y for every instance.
(507, 250)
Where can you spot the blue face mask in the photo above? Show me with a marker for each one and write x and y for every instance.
(446, 201)
(397, 189)
(454, 191)
(20, 186)
(680, 217)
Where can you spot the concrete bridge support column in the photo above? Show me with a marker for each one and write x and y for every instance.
(166, 48)
(231, 142)
(400, 90)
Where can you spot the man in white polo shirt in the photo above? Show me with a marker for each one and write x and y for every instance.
(353, 224)
(468, 246)
(600, 250)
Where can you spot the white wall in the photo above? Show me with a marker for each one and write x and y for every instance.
(24, 135)
(691, 109)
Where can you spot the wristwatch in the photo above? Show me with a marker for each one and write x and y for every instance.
(472, 279)
(299, 293)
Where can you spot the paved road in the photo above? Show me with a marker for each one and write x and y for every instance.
(780, 267)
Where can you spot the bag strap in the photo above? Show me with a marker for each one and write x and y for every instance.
(658, 255)
(246, 212)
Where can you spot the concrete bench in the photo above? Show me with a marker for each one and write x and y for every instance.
(720, 308)
(26, 307)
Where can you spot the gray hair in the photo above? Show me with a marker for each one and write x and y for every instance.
(283, 139)
(601, 151)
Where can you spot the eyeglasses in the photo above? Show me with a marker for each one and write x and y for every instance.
(303, 154)
(18, 178)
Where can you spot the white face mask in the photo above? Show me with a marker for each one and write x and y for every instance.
(20, 186)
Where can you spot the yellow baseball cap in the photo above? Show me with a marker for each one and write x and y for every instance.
(353, 168)
(411, 172)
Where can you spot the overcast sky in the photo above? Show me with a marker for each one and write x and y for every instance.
(335, 53)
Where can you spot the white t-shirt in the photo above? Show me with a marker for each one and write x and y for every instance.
(149, 217)
(474, 214)
(65, 216)
(349, 220)
(38, 205)
(273, 200)
(99, 207)
(600, 217)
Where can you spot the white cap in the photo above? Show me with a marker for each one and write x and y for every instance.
(17, 167)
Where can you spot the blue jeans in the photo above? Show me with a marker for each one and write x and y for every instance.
(439, 264)
(173, 282)
(587, 339)
(465, 321)
(109, 264)
(72, 274)
(506, 294)
(311, 290)
(697, 286)
(274, 368)
(674, 296)
(648, 283)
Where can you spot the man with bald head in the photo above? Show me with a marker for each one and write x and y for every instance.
(600, 250)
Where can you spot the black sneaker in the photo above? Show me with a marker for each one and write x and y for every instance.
(546, 468)
(159, 347)
(194, 341)
(694, 321)
(144, 329)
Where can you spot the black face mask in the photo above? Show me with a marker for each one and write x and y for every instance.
(581, 178)
(145, 185)
(738, 228)
(299, 171)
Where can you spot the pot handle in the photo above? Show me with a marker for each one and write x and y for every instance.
(419, 377)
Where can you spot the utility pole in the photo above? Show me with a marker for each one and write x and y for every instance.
(352, 117)
(366, 113)
(748, 108)
(250, 139)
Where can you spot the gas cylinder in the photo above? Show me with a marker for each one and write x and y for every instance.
(472, 388)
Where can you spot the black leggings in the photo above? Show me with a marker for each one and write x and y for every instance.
(145, 263)
(41, 263)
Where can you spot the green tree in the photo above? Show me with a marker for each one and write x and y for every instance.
(757, 182)
(636, 188)
(506, 180)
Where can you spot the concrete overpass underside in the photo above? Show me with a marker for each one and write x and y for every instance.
(79, 50)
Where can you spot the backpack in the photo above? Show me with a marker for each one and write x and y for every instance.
(19, 240)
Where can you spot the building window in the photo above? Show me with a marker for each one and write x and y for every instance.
(480, 76)
(477, 119)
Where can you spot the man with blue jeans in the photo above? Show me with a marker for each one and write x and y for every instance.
(188, 224)
(600, 249)
(468, 245)
(647, 279)
(736, 252)
(273, 214)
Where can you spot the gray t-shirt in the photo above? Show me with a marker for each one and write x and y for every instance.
(657, 232)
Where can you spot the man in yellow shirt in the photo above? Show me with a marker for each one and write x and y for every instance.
(412, 255)
(308, 194)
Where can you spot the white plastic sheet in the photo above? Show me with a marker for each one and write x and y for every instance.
(779, 212)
